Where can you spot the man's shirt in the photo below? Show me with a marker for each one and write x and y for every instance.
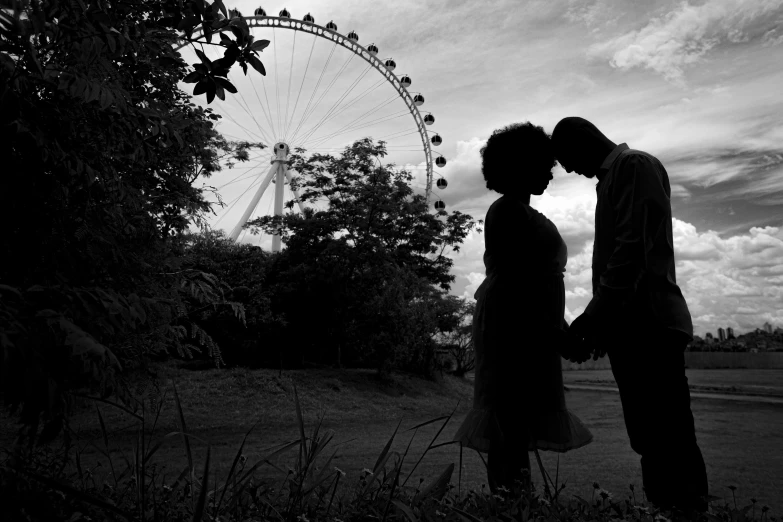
(633, 252)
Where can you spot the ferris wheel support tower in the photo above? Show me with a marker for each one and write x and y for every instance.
(278, 171)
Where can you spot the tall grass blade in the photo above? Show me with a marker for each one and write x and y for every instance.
(429, 446)
(185, 440)
(425, 423)
(464, 515)
(407, 511)
(234, 466)
(384, 454)
(70, 490)
(397, 476)
(459, 486)
(110, 403)
(300, 421)
(544, 474)
(322, 476)
(106, 445)
(198, 513)
(438, 487)
(283, 449)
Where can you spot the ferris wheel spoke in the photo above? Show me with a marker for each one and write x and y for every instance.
(304, 76)
(290, 75)
(243, 174)
(326, 117)
(395, 135)
(361, 96)
(246, 107)
(315, 90)
(235, 122)
(267, 114)
(328, 88)
(348, 127)
(277, 84)
(364, 125)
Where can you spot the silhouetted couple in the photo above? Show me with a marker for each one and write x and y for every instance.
(637, 315)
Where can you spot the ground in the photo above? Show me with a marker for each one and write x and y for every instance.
(740, 440)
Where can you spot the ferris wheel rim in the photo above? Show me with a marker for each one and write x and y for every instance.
(358, 50)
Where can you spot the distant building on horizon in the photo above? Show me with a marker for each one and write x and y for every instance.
(768, 327)
(721, 334)
(708, 338)
(730, 333)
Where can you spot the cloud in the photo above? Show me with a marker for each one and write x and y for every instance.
(474, 281)
(732, 281)
(671, 43)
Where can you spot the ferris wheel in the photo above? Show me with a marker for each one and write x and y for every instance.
(322, 92)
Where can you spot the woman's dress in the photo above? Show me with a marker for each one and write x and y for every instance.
(518, 376)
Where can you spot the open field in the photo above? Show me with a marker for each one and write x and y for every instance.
(741, 442)
(761, 382)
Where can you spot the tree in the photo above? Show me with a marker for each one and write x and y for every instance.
(458, 340)
(243, 268)
(100, 151)
(338, 260)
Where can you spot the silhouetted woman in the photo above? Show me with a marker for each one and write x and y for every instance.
(518, 326)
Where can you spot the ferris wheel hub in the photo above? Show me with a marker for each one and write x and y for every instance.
(281, 151)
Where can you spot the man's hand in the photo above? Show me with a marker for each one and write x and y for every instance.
(576, 350)
(584, 332)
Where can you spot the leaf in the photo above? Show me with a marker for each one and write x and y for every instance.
(259, 45)
(201, 87)
(219, 91)
(221, 6)
(464, 515)
(193, 77)
(206, 61)
(257, 65)
(227, 85)
(111, 42)
(11, 290)
(184, 429)
(106, 98)
(438, 487)
(406, 510)
(211, 87)
(198, 513)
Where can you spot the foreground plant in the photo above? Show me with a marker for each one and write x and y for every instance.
(309, 489)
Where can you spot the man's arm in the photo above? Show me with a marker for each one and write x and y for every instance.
(640, 204)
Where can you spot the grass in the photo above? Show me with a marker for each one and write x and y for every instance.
(766, 382)
(740, 442)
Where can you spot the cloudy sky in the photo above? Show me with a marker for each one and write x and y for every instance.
(696, 83)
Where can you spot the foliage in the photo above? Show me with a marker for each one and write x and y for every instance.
(52, 484)
(100, 151)
(457, 341)
(335, 280)
(243, 268)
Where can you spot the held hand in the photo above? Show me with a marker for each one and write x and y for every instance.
(583, 327)
(578, 351)
(582, 334)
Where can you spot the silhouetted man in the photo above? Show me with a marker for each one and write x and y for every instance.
(638, 315)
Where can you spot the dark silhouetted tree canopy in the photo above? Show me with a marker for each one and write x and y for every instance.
(100, 151)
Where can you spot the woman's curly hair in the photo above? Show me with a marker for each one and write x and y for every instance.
(514, 150)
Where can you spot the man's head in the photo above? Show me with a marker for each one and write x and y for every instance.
(580, 147)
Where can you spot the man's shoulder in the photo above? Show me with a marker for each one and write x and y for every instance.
(635, 155)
